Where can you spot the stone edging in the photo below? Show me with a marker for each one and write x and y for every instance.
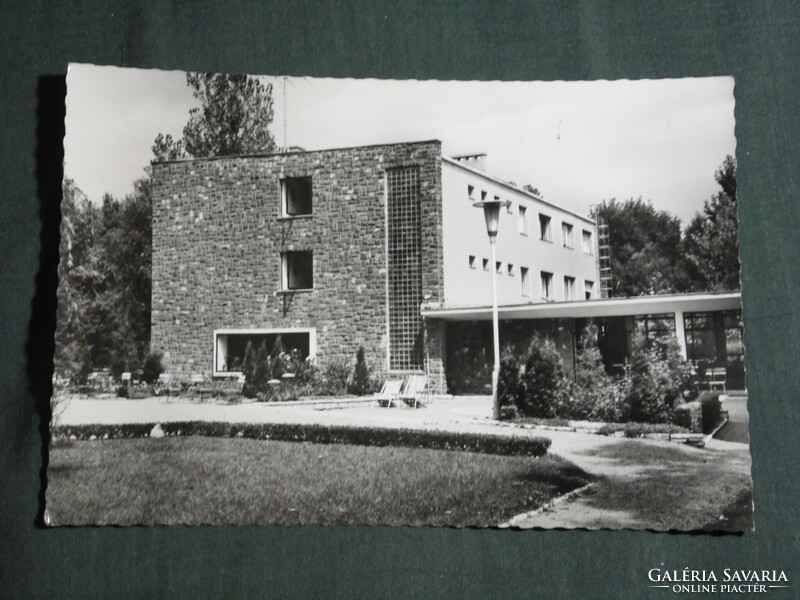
(547, 506)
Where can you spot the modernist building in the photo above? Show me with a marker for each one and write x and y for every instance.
(380, 247)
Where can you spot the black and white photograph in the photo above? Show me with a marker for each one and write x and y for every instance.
(316, 301)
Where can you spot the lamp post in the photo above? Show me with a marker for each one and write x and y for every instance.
(491, 212)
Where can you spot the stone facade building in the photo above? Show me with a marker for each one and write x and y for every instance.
(377, 247)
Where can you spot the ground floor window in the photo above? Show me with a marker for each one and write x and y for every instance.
(659, 328)
(230, 345)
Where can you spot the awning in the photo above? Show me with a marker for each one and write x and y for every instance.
(610, 307)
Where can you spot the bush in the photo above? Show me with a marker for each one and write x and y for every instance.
(324, 434)
(360, 385)
(545, 386)
(509, 386)
(152, 367)
(509, 412)
(689, 416)
(635, 430)
(710, 407)
(656, 377)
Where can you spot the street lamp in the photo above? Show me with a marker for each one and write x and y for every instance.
(491, 212)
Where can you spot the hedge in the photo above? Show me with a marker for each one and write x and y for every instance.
(634, 429)
(321, 434)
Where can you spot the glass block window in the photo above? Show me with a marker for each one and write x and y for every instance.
(405, 269)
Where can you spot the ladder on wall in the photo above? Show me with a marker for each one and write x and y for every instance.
(604, 258)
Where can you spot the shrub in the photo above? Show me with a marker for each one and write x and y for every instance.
(360, 385)
(152, 367)
(509, 412)
(710, 407)
(635, 430)
(690, 416)
(324, 434)
(656, 377)
(545, 385)
(509, 387)
(118, 368)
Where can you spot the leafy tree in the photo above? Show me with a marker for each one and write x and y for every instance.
(711, 241)
(233, 119)
(646, 254)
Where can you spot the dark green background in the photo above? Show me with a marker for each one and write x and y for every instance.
(757, 42)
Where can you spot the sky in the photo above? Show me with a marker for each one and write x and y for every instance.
(578, 142)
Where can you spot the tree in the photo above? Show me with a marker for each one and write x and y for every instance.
(233, 118)
(646, 255)
(360, 385)
(711, 241)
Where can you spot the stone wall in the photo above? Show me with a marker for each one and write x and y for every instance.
(218, 237)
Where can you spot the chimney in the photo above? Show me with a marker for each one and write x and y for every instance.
(476, 161)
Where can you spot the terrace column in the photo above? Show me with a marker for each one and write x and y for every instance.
(680, 333)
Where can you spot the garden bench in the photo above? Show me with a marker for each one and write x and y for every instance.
(715, 378)
(197, 380)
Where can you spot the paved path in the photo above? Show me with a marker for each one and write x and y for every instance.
(737, 428)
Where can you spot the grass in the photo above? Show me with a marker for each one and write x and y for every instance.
(669, 488)
(199, 480)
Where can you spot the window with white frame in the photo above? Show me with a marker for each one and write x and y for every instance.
(510, 269)
(569, 288)
(588, 245)
(544, 228)
(523, 220)
(485, 264)
(230, 346)
(471, 262)
(498, 266)
(525, 281)
(588, 289)
(567, 235)
(297, 270)
(547, 285)
(471, 192)
(296, 196)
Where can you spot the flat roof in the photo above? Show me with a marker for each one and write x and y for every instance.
(511, 186)
(290, 152)
(606, 307)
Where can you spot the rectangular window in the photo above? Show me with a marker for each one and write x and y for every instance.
(471, 192)
(295, 196)
(588, 246)
(525, 281)
(588, 289)
(523, 220)
(483, 196)
(297, 270)
(231, 345)
(485, 264)
(566, 235)
(544, 229)
(547, 285)
(510, 269)
(569, 288)
(498, 266)
(471, 262)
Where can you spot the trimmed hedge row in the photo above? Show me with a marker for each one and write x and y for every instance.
(635, 430)
(702, 414)
(321, 434)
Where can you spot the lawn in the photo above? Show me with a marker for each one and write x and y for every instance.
(675, 488)
(195, 480)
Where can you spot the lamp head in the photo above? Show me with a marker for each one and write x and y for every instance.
(491, 212)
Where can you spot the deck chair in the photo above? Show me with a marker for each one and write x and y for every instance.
(716, 378)
(413, 390)
(389, 392)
